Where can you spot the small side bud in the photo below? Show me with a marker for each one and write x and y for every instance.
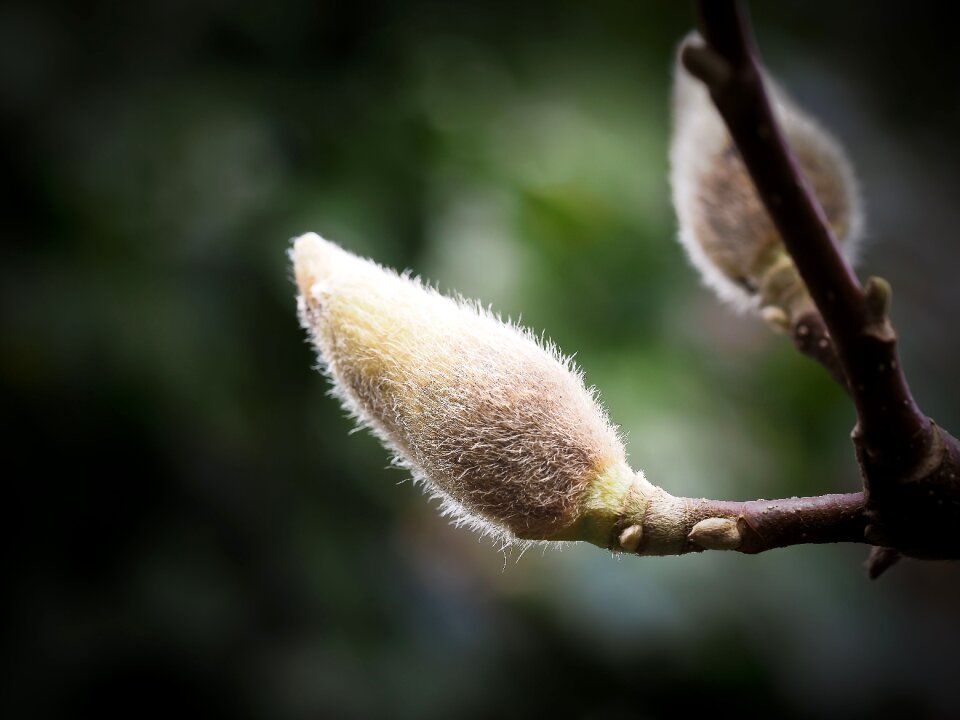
(631, 537)
(716, 534)
(489, 418)
(723, 225)
(776, 317)
(877, 296)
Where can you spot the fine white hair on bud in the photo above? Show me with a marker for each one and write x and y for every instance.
(489, 418)
(723, 225)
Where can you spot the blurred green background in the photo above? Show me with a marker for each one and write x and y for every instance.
(191, 527)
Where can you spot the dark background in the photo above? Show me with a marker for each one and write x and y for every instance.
(189, 527)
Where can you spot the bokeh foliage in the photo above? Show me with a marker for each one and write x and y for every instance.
(192, 527)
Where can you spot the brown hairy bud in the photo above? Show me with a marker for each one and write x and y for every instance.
(492, 420)
(724, 226)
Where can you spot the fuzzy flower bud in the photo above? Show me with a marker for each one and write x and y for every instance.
(493, 421)
(724, 226)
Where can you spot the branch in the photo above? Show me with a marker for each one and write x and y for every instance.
(910, 467)
(888, 418)
(676, 526)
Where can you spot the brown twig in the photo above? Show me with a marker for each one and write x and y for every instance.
(864, 341)
(910, 468)
(656, 523)
(767, 524)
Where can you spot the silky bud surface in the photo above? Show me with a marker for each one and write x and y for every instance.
(484, 414)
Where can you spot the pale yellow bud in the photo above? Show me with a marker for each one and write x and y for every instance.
(724, 227)
(489, 418)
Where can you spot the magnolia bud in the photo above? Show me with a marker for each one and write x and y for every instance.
(486, 416)
(724, 226)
